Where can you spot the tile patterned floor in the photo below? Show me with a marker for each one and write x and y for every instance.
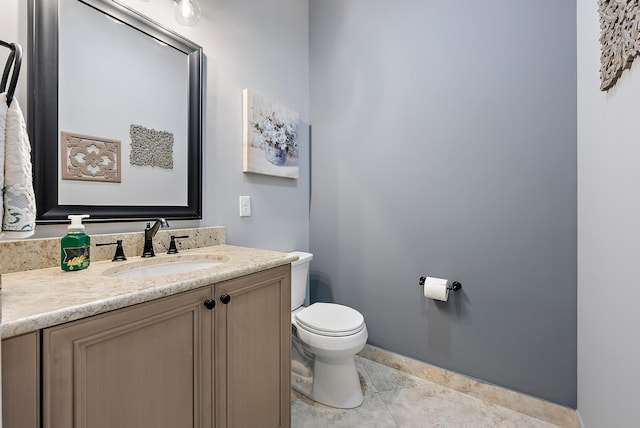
(393, 399)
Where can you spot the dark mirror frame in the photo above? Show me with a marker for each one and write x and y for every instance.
(43, 116)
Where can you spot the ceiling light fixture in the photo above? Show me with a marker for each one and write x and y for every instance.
(186, 12)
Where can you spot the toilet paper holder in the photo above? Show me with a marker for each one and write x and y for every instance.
(454, 286)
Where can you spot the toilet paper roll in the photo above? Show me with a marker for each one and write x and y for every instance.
(436, 288)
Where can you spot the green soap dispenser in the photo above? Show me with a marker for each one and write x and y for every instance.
(74, 246)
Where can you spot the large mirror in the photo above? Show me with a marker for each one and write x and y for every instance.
(115, 114)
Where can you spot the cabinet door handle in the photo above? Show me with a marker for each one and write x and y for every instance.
(225, 298)
(210, 303)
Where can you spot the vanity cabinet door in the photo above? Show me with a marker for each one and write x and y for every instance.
(253, 350)
(149, 365)
(21, 381)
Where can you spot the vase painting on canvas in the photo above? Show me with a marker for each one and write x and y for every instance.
(270, 137)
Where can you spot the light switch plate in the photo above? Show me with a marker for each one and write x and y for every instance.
(245, 206)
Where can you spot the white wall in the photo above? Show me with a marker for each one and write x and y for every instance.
(608, 235)
(256, 44)
(13, 28)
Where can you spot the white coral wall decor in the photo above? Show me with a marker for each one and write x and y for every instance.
(619, 38)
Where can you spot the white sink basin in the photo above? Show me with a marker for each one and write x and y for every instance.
(163, 266)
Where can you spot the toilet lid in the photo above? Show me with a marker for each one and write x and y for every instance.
(330, 319)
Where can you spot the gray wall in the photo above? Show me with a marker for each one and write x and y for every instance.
(608, 229)
(264, 46)
(444, 144)
(243, 49)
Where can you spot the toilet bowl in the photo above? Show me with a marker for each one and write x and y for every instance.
(325, 339)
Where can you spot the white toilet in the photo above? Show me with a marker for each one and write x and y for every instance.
(326, 336)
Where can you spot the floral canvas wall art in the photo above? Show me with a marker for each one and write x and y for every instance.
(270, 137)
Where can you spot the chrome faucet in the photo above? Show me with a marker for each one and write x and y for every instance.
(149, 233)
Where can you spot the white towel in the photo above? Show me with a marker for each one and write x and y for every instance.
(18, 200)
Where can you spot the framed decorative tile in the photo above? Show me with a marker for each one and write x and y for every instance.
(87, 158)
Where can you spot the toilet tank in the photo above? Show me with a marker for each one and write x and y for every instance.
(299, 277)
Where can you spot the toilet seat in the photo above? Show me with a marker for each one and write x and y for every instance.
(330, 319)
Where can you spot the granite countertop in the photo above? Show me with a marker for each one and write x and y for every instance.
(41, 298)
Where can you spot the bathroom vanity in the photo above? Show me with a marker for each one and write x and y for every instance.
(204, 348)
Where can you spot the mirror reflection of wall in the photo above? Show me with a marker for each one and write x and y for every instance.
(112, 76)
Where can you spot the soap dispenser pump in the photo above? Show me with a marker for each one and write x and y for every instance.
(74, 246)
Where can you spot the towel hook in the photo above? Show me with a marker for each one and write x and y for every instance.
(7, 69)
(14, 61)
